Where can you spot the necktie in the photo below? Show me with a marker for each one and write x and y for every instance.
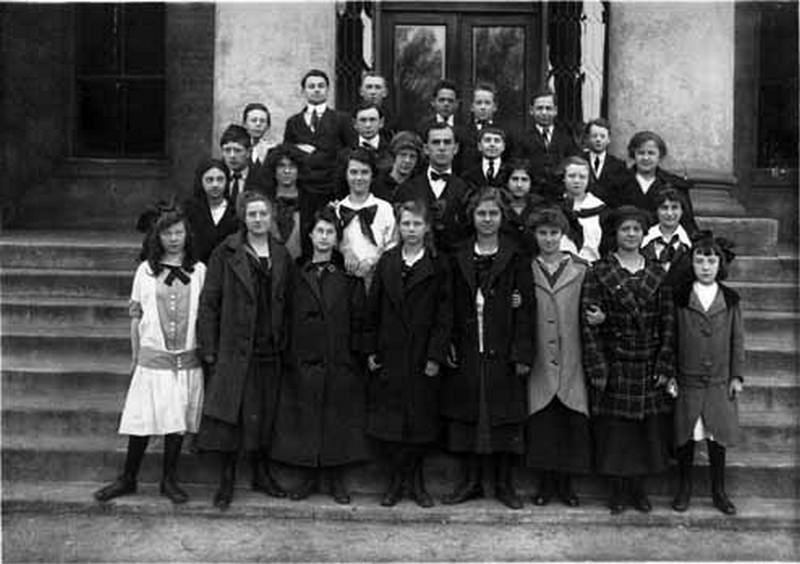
(314, 121)
(546, 136)
(436, 176)
(365, 218)
(234, 191)
(597, 166)
(490, 170)
(366, 145)
(669, 251)
(481, 123)
(175, 272)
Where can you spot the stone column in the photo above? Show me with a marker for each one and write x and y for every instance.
(671, 71)
(262, 50)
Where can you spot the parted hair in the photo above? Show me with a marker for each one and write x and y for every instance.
(202, 167)
(641, 137)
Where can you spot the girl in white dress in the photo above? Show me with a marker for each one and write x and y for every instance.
(165, 396)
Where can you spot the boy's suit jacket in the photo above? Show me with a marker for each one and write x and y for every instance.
(333, 134)
(546, 158)
(614, 173)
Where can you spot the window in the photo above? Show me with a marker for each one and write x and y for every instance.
(119, 82)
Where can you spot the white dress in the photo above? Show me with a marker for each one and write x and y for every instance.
(165, 400)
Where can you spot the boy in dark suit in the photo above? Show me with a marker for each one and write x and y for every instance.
(256, 120)
(235, 147)
(606, 171)
(482, 114)
(374, 90)
(444, 192)
(320, 132)
(445, 103)
(489, 169)
(547, 143)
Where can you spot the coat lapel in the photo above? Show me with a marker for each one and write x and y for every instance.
(394, 279)
(465, 264)
(308, 276)
(241, 267)
(423, 270)
(278, 260)
(568, 276)
(500, 263)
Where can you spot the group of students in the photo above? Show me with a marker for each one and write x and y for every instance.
(338, 297)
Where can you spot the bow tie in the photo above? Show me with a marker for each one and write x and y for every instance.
(365, 218)
(481, 123)
(443, 176)
(175, 272)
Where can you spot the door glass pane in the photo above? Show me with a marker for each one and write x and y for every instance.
(144, 39)
(498, 55)
(96, 45)
(419, 64)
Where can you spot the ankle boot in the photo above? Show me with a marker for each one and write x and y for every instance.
(307, 486)
(639, 498)
(338, 491)
(547, 486)
(169, 485)
(227, 479)
(616, 502)
(471, 486)
(685, 457)
(418, 491)
(261, 479)
(716, 458)
(126, 483)
(394, 493)
(504, 490)
(565, 492)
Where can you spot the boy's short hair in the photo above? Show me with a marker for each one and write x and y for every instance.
(670, 193)
(247, 197)
(492, 129)
(361, 106)
(641, 137)
(373, 74)
(439, 125)
(486, 87)
(235, 133)
(257, 106)
(543, 93)
(315, 72)
(446, 84)
(599, 122)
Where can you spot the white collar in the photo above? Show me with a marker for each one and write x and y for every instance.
(590, 201)
(654, 233)
(706, 293)
(371, 199)
(430, 170)
(601, 156)
(411, 260)
(319, 108)
(451, 121)
(242, 173)
(374, 142)
(497, 161)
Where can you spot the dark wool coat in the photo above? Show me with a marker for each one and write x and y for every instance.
(710, 355)
(507, 338)
(333, 134)
(629, 193)
(623, 356)
(546, 158)
(450, 222)
(205, 235)
(614, 173)
(468, 148)
(476, 179)
(515, 225)
(460, 132)
(226, 321)
(408, 324)
(322, 410)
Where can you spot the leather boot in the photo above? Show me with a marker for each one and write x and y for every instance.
(307, 486)
(616, 503)
(685, 457)
(471, 486)
(418, 491)
(716, 458)
(504, 490)
(126, 483)
(227, 479)
(565, 492)
(338, 491)
(547, 486)
(261, 479)
(169, 485)
(639, 498)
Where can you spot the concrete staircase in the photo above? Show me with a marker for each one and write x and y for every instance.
(65, 371)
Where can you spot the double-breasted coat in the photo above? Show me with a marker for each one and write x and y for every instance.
(322, 410)
(226, 322)
(408, 324)
(557, 370)
(623, 356)
(506, 337)
(710, 354)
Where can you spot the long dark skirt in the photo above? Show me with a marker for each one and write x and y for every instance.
(253, 431)
(629, 447)
(465, 437)
(558, 439)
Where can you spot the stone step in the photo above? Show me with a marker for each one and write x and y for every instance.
(782, 326)
(99, 459)
(771, 296)
(781, 268)
(60, 498)
(752, 235)
(63, 312)
(70, 250)
(98, 284)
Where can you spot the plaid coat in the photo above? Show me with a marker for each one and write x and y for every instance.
(624, 356)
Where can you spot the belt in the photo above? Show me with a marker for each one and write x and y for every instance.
(165, 360)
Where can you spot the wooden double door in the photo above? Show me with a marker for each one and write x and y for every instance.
(502, 43)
